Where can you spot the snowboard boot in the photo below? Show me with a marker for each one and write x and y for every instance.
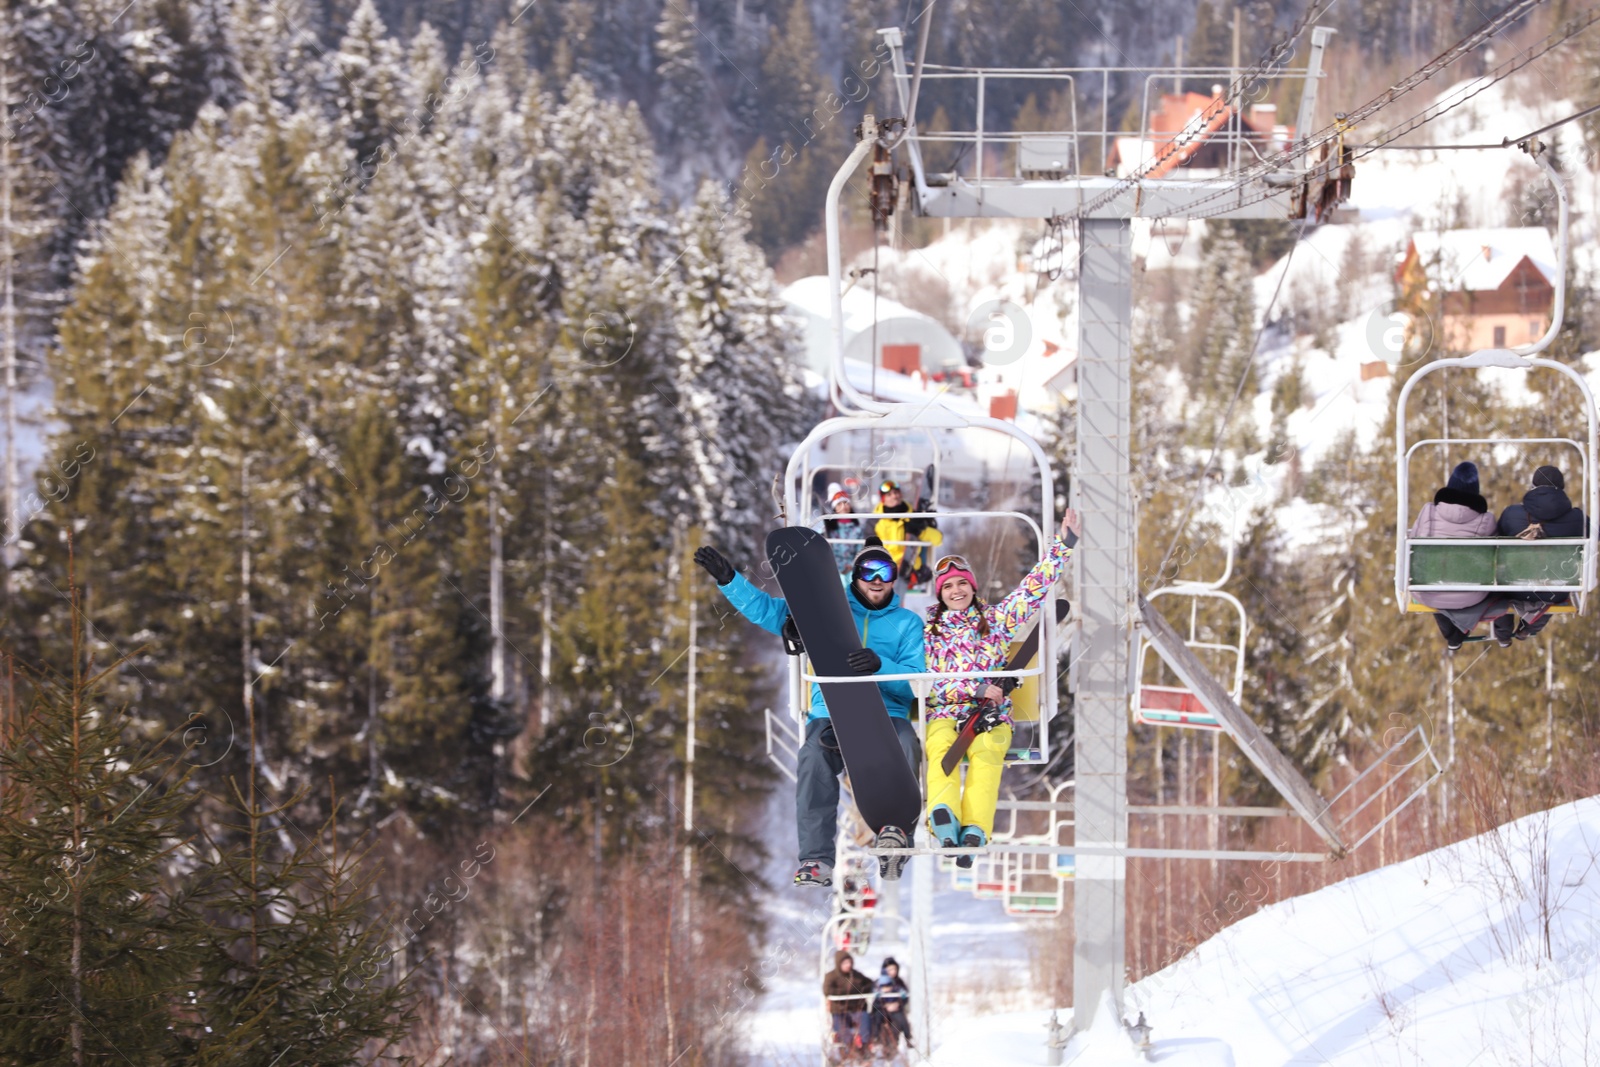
(944, 825)
(971, 837)
(814, 872)
(889, 867)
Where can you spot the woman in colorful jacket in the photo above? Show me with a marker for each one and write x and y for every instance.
(965, 634)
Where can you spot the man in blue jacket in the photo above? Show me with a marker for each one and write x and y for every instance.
(892, 644)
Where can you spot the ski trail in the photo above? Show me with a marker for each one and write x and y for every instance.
(980, 956)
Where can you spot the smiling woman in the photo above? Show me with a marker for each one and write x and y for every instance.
(965, 634)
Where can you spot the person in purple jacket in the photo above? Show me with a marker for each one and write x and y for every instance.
(1457, 510)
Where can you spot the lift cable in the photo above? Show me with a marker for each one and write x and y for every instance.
(1335, 130)
(1270, 62)
(1506, 143)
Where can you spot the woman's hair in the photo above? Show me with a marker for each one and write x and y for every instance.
(937, 613)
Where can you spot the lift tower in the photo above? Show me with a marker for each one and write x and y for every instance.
(1046, 183)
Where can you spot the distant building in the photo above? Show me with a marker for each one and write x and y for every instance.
(1496, 287)
(908, 341)
(1192, 130)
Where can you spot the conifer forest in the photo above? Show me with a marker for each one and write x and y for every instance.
(373, 370)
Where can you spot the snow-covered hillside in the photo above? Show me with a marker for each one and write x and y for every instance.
(1484, 952)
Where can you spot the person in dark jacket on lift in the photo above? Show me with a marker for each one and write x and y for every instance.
(1545, 511)
(848, 992)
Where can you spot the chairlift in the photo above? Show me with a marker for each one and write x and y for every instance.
(1176, 705)
(1502, 565)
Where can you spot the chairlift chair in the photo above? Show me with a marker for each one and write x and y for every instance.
(1488, 565)
(1503, 565)
(1176, 705)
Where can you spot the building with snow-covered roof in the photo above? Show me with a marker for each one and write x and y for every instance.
(908, 341)
(1496, 286)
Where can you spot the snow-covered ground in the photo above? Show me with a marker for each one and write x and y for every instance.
(979, 956)
(1485, 952)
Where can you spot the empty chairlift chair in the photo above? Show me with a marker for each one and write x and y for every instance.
(1216, 636)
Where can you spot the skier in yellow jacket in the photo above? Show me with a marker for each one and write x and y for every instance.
(891, 529)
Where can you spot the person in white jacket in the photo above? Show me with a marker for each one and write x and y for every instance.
(1457, 510)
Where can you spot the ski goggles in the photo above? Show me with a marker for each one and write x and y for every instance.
(958, 562)
(888, 487)
(875, 570)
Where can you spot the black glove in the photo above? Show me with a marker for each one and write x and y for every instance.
(1071, 539)
(916, 526)
(791, 638)
(1005, 685)
(864, 661)
(988, 717)
(715, 565)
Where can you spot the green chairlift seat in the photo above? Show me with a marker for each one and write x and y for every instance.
(1496, 564)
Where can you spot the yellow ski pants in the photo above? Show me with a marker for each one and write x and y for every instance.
(986, 759)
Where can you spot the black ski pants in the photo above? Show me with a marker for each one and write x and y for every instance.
(816, 792)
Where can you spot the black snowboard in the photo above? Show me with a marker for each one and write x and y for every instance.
(884, 785)
(1019, 660)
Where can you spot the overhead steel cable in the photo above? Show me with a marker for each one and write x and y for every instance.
(1270, 62)
(1330, 133)
(1546, 129)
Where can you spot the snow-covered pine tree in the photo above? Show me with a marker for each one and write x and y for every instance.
(1221, 339)
(279, 58)
(681, 106)
(128, 344)
(738, 383)
(363, 79)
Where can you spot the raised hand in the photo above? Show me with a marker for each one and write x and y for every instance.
(1071, 527)
(715, 564)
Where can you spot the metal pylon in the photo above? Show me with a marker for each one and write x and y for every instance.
(1104, 563)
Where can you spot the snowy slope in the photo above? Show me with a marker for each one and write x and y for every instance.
(980, 956)
(1485, 952)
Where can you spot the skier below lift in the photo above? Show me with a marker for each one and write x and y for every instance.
(965, 634)
(891, 637)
